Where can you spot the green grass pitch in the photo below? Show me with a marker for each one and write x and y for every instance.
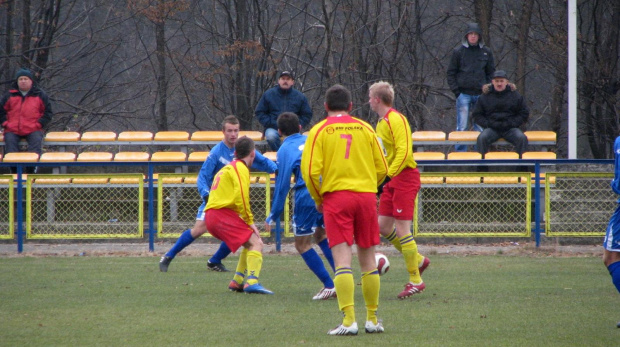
(469, 301)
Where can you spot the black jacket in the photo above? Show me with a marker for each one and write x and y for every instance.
(500, 111)
(470, 66)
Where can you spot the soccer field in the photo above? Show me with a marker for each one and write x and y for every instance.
(469, 301)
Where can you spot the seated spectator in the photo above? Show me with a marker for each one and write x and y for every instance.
(501, 111)
(24, 110)
(281, 98)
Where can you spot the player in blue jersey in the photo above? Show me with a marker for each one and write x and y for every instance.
(220, 156)
(611, 256)
(307, 219)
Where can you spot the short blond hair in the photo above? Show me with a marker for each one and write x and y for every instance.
(384, 91)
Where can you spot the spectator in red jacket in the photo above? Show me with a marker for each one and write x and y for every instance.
(24, 111)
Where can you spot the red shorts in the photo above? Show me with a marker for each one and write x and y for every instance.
(352, 218)
(226, 225)
(398, 197)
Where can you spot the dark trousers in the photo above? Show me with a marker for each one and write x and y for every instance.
(515, 136)
(11, 145)
(11, 142)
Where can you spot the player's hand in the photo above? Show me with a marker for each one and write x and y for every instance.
(380, 187)
(253, 227)
(319, 208)
(267, 227)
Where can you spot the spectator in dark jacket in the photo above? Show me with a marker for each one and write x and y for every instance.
(501, 111)
(281, 98)
(470, 68)
(24, 111)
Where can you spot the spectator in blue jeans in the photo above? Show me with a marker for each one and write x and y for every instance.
(470, 68)
(281, 98)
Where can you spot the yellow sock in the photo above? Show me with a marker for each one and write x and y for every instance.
(255, 262)
(241, 267)
(410, 253)
(371, 284)
(394, 240)
(345, 291)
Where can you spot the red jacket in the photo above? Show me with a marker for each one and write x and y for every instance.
(23, 115)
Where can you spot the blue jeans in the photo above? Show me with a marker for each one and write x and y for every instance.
(273, 139)
(464, 104)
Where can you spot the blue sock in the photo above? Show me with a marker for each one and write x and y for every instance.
(220, 254)
(184, 240)
(614, 271)
(314, 262)
(327, 253)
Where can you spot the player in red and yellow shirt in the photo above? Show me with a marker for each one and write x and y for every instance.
(398, 195)
(342, 165)
(228, 217)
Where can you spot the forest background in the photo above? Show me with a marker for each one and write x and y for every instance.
(184, 65)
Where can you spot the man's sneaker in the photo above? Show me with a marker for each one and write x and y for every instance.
(425, 263)
(217, 267)
(411, 289)
(163, 263)
(235, 287)
(374, 329)
(325, 293)
(342, 330)
(256, 288)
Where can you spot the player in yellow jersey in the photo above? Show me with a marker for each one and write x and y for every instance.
(397, 200)
(342, 165)
(228, 218)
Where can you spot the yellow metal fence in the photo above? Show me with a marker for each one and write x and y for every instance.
(448, 205)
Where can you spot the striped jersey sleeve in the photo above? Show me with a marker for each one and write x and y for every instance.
(395, 133)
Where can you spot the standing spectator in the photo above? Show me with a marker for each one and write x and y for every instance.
(308, 221)
(398, 194)
(342, 164)
(24, 111)
(281, 98)
(229, 218)
(470, 68)
(221, 155)
(501, 110)
(611, 255)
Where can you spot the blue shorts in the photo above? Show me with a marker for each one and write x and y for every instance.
(201, 211)
(305, 215)
(612, 235)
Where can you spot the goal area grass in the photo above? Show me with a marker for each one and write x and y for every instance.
(494, 300)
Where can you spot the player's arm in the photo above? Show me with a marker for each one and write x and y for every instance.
(311, 167)
(243, 200)
(402, 144)
(381, 166)
(283, 185)
(206, 174)
(263, 164)
(615, 184)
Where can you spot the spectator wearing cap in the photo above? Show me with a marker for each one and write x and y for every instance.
(501, 111)
(470, 68)
(24, 111)
(281, 98)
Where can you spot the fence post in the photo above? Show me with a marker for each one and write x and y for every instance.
(151, 204)
(20, 210)
(537, 202)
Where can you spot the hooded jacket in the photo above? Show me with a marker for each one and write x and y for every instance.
(277, 100)
(470, 66)
(500, 111)
(23, 115)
